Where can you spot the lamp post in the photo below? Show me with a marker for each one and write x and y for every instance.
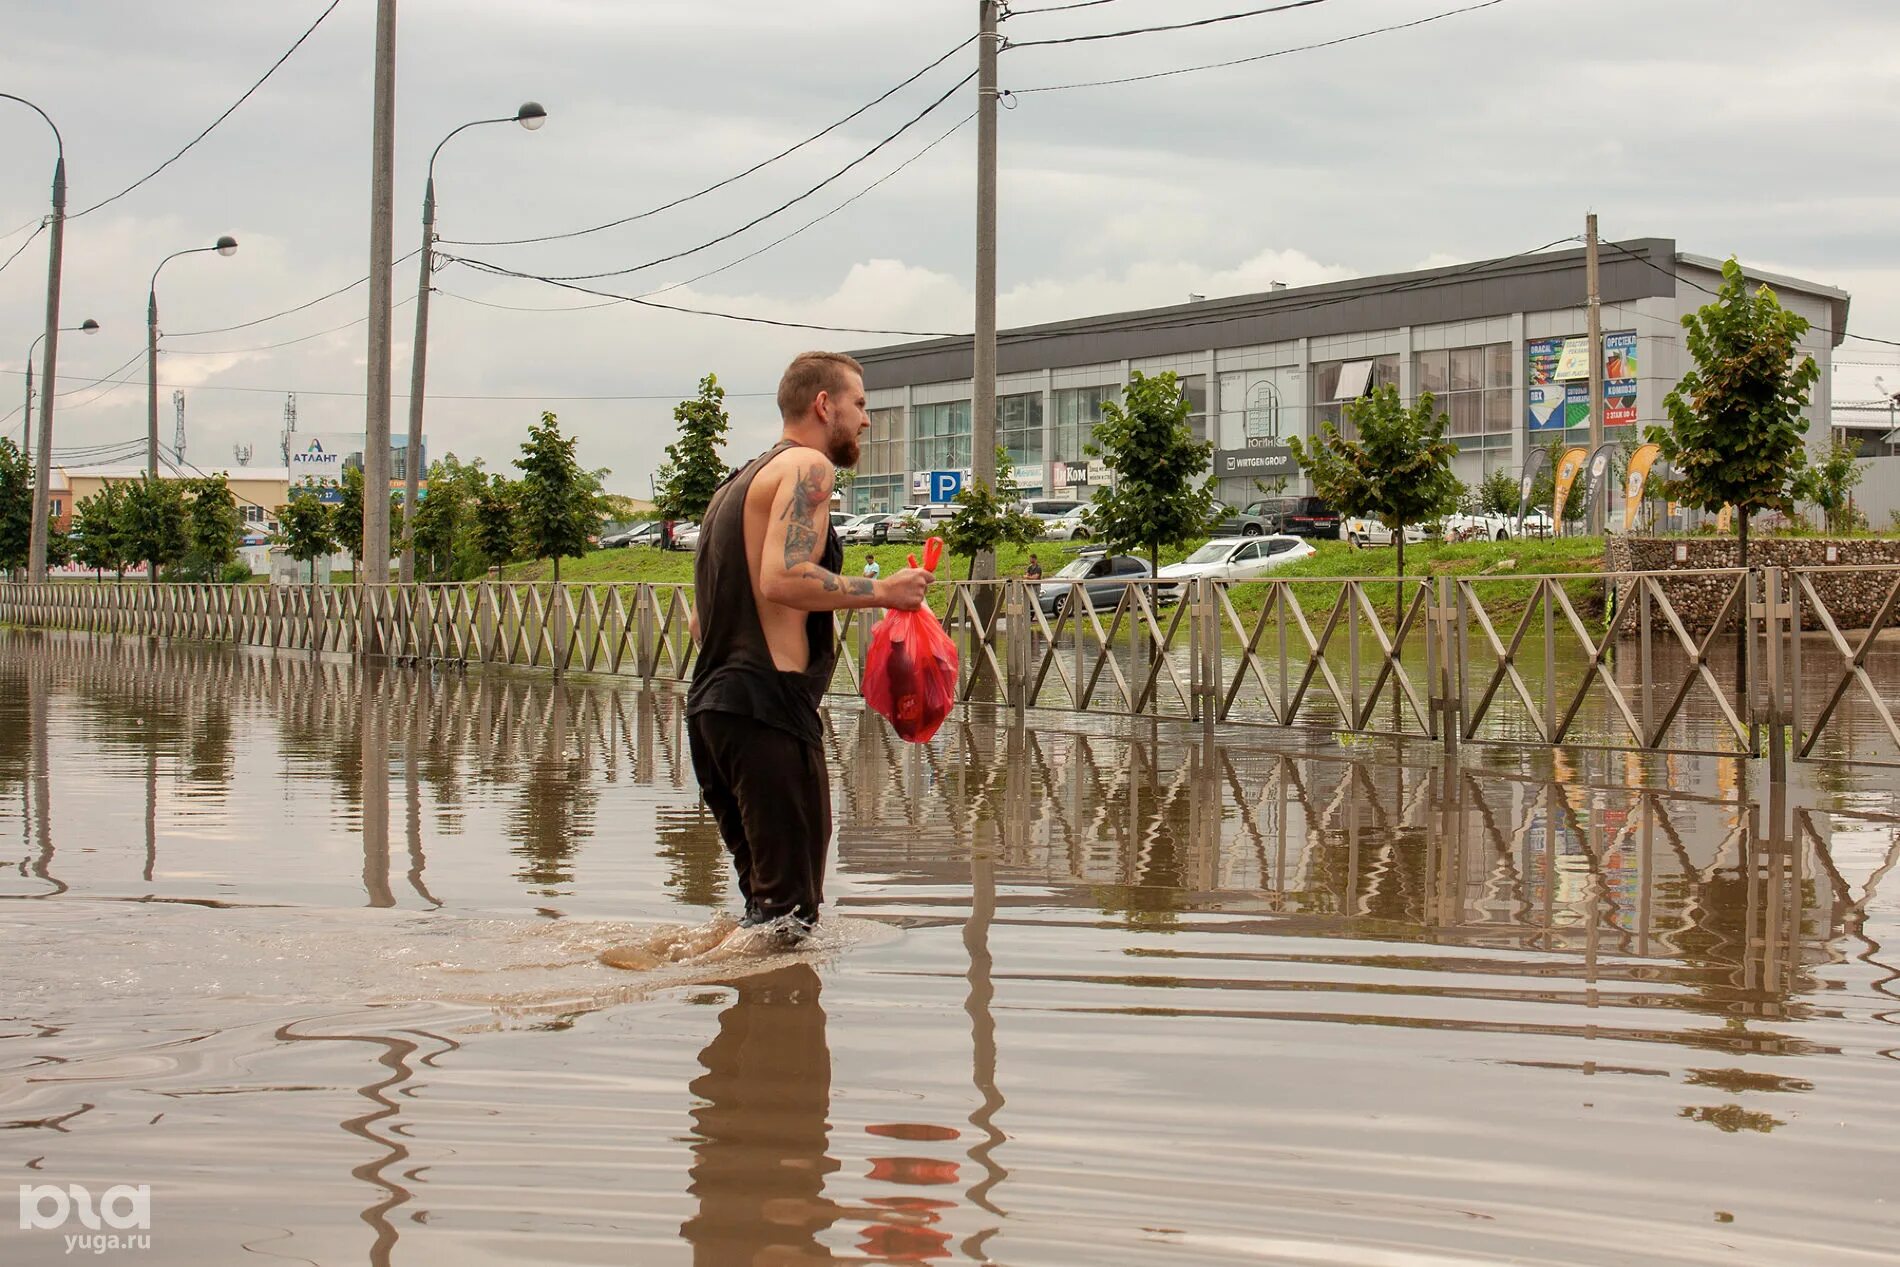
(530, 116)
(88, 326)
(43, 466)
(226, 245)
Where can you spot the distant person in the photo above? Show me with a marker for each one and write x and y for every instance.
(766, 581)
(666, 534)
(1034, 571)
(871, 569)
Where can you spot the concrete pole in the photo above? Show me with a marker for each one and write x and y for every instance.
(43, 455)
(983, 388)
(1597, 503)
(151, 379)
(373, 568)
(418, 374)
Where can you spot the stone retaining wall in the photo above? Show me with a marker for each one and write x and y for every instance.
(1853, 598)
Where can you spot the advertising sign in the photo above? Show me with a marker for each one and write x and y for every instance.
(1554, 403)
(1640, 462)
(1574, 361)
(945, 485)
(1568, 467)
(1267, 461)
(319, 459)
(1619, 378)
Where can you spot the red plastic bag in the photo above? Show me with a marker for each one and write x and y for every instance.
(910, 672)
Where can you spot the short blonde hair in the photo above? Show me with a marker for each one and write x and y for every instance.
(811, 373)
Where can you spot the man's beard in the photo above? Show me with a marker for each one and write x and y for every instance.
(841, 446)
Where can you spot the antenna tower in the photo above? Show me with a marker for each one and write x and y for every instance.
(178, 433)
(290, 424)
(242, 452)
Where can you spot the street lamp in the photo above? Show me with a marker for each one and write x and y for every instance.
(226, 245)
(530, 116)
(43, 467)
(88, 326)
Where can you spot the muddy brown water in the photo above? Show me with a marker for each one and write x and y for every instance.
(314, 953)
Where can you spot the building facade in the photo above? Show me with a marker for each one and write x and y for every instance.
(1488, 340)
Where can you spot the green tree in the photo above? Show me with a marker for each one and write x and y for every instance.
(1497, 493)
(446, 545)
(1828, 485)
(1158, 498)
(1735, 421)
(560, 505)
(497, 535)
(16, 507)
(99, 521)
(155, 528)
(308, 529)
(1397, 470)
(348, 516)
(987, 517)
(693, 468)
(211, 529)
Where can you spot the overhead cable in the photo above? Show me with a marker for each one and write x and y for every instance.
(1260, 57)
(783, 206)
(1173, 26)
(220, 119)
(310, 303)
(721, 184)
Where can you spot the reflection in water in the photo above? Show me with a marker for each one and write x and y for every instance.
(762, 1155)
(1148, 902)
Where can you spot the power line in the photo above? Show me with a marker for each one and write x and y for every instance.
(23, 246)
(220, 119)
(498, 271)
(717, 185)
(245, 325)
(1260, 57)
(783, 206)
(1690, 281)
(171, 351)
(1175, 26)
(1050, 8)
(305, 391)
(485, 303)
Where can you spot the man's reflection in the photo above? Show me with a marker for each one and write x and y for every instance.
(760, 1164)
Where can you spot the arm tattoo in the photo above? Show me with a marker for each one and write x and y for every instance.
(809, 496)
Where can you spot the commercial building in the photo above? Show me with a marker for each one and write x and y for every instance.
(258, 490)
(1500, 344)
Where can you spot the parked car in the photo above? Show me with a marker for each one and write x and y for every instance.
(1294, 516)
(918, 523)
(839, 518)
(1496, 527)
(851, 525)
(1370, 532)
(686, 536)
(865, 529)
(1048, 507)
(1234, 559)
(1071, 525)
(646, 532)
(1103, 576)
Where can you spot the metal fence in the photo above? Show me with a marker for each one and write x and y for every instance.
(1762, 666)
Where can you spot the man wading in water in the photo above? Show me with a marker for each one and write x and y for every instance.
(766, 582)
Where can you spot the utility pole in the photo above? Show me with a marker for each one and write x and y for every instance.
(983, 363)
(49, 381)
(1598, 498)
(374, 565)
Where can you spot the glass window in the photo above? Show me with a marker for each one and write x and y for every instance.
(940, 437)
(1019, 431)
(1078, 410)
(1467, 369)
(1497, 365)
(1476, 387)
(1434, 372)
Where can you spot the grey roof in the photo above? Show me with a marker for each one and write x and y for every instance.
(1640, 268)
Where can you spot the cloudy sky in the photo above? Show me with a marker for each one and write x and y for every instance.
(1735, 126)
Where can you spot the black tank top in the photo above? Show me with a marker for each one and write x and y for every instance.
(735, 672)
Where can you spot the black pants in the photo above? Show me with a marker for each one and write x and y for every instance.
(771, 795)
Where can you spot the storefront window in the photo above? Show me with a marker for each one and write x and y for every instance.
(940, 436)
(1078, 410)
(1472, 385)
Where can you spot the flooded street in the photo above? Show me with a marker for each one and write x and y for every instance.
(315, 952)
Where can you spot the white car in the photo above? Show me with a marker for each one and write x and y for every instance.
(1370, 532)
(1496, 527)
(1234, 559)
(1070, 525)
(686, 536)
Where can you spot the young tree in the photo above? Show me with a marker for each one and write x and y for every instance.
(99, 521)
(1497, 493)
(496, 534)
(348, 518)
(307, 528)
(211, 529)
(693, 468)
(1158, 498)
(16, 507)
(155, 523)
(987, 517)
(559, 505)
(1397, 471)
(1828, 485)
(445, 541)
(1735, 420)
